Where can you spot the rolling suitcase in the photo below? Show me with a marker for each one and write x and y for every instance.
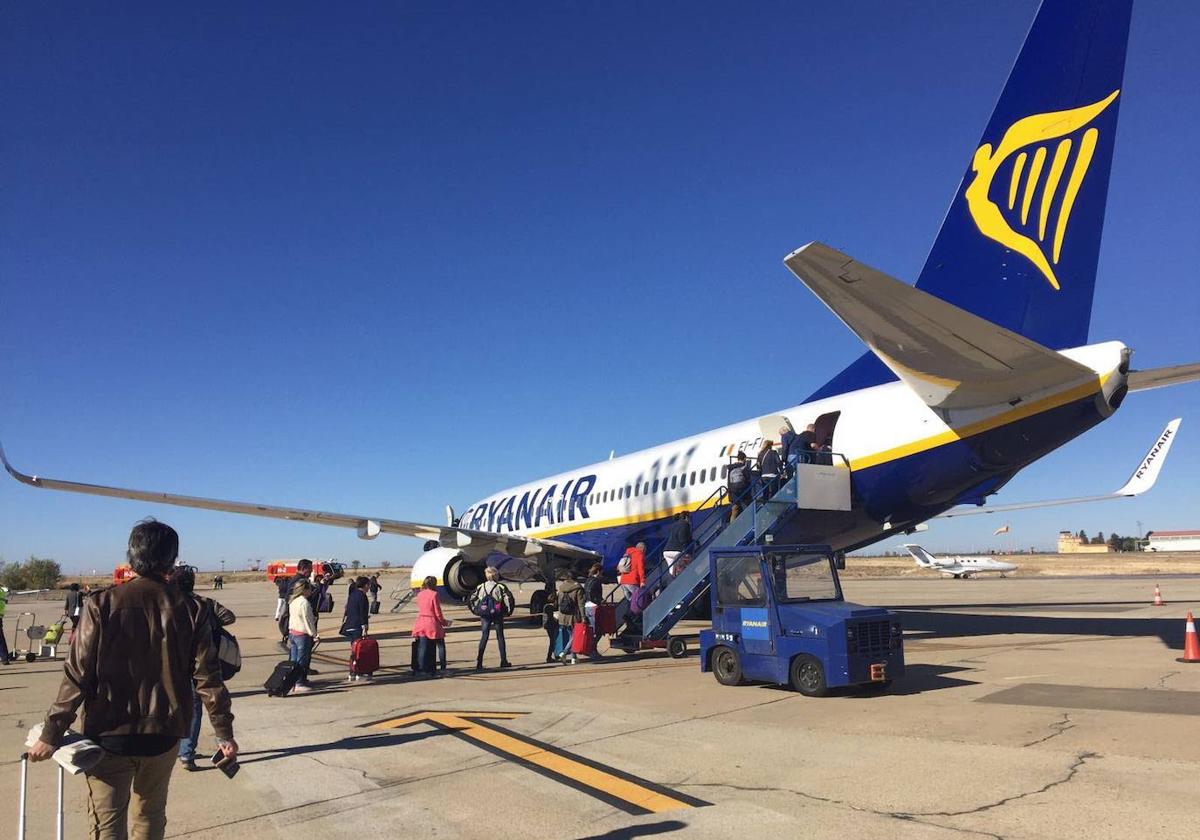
(58, 822)
(431, 652)
(606, 619)
(582, 638)
(284, 678)
(364, 656)
(374, 608)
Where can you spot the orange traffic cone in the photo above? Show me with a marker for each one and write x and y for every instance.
(1191, 642)
(1158, 601)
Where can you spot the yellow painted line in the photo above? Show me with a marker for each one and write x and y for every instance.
(628, 792)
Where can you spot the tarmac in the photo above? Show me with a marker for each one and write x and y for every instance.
(1032, 708)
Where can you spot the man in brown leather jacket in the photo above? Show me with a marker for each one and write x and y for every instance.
(136, 655)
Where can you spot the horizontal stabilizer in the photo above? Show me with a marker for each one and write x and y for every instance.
(1143, 479)
(1145, 380)
(949, 357)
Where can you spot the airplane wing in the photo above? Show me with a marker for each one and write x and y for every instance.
(1145, 380)
(1143, 479)
(949, 357)
(477, 543)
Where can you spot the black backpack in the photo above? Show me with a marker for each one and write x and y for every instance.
(229, 654)
(566, 603)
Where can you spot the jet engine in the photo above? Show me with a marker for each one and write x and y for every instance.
(456, 575)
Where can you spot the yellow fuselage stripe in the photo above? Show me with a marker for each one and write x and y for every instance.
(1020, 412)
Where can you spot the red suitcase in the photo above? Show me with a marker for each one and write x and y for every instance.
(364, 656)
(606, 619)
(582, 639)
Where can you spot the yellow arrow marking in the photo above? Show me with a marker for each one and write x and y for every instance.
(622, 790)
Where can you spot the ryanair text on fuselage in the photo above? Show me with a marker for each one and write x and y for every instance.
(533, 508)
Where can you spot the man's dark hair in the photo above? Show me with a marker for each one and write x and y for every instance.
(74, 587)
(361, 581)
(185, 578)
(153, 548)
(304, 566)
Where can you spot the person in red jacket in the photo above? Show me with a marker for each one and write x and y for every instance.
(635, 577)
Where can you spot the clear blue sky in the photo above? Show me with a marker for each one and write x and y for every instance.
(381, 258)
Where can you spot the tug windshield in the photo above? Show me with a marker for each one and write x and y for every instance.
(804, 577)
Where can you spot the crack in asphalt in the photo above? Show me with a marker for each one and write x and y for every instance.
(922, 817)
(1057, 728)
(1163, 679)
(333, 766)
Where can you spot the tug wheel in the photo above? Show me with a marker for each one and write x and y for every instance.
(677, 648)
(807, 676)
(726, 666)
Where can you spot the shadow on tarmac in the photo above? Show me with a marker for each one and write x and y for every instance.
(951, 625)
(647, 830)
(354, 742)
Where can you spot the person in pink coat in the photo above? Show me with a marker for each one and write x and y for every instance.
(430, 626)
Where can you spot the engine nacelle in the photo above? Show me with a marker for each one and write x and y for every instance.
(456, 576)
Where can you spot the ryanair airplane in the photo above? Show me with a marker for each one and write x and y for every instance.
(978, 370)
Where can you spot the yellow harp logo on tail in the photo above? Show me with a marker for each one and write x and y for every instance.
(1029, 139)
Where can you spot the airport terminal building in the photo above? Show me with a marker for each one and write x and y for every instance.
(1173, 541)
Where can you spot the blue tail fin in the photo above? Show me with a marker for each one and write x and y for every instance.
(1021, 239)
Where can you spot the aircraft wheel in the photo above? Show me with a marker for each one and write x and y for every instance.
(677, 648)
(726, 666)
(807, 676)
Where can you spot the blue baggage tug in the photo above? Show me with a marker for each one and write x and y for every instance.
(778, 616)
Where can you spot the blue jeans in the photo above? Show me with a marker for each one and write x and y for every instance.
(423, 643)
(187, 746)
(300, 651)
(563, 644)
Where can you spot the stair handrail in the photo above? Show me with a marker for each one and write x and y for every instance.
(713, 505)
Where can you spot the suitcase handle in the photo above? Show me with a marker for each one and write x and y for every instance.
(58, 823)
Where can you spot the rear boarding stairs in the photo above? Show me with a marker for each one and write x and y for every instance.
(811, 486)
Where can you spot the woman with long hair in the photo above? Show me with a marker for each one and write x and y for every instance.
(302, 630)
(430, 626)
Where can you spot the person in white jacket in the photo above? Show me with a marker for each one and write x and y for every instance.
(302, 630)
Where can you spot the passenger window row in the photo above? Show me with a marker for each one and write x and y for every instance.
(662, 485)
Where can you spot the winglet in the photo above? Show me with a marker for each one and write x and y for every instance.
(1146, 474)
(31, 480)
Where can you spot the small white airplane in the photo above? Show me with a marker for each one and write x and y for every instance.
(981, 368)
(957, 566)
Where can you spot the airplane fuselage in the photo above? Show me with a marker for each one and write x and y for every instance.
(907, 464)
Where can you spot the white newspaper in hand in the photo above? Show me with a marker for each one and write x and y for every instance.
(76, 755)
